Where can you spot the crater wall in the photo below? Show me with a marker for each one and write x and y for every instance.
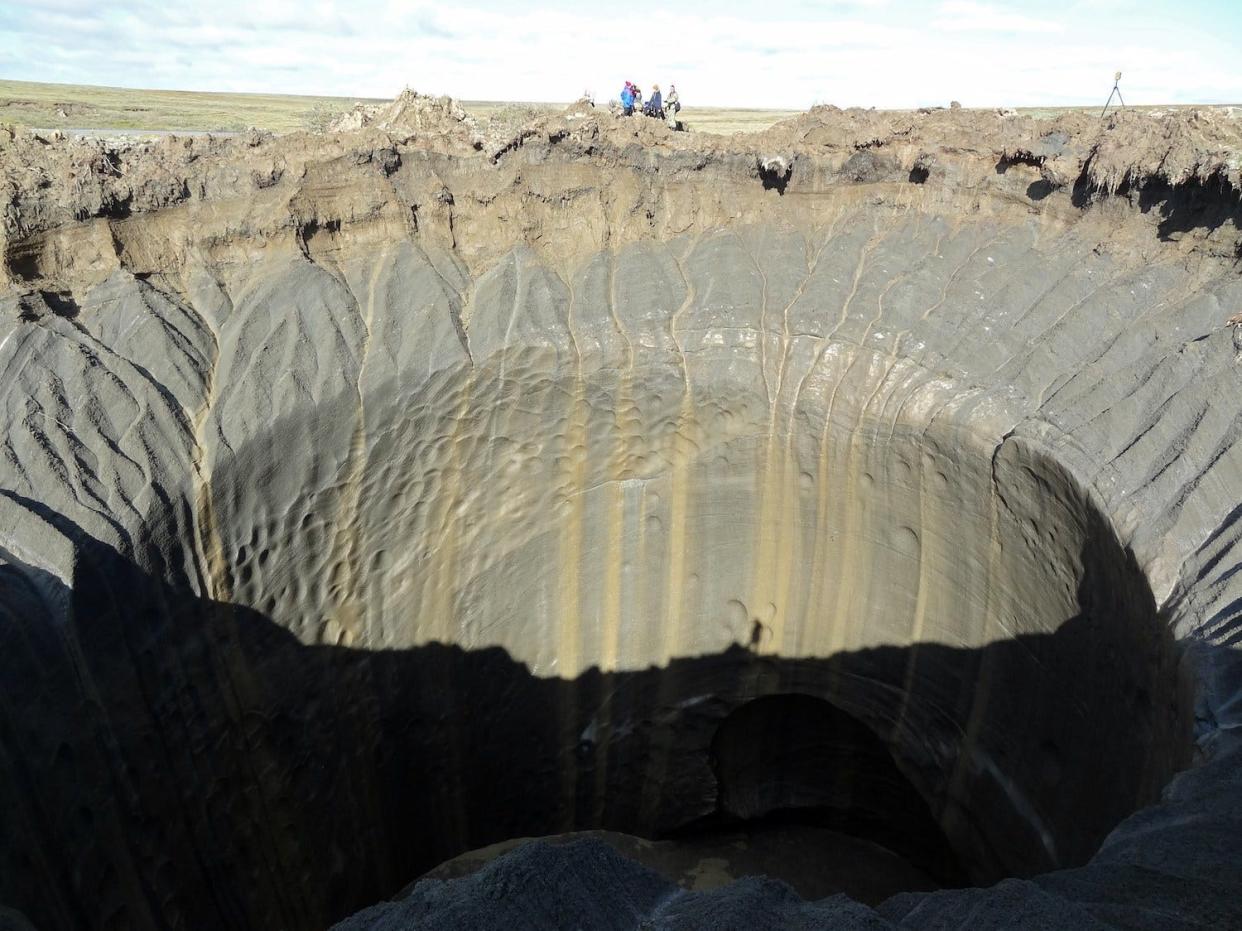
(416, 500)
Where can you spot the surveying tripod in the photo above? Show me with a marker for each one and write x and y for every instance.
(1116, 92)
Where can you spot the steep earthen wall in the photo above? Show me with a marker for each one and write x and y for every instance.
(368, 499)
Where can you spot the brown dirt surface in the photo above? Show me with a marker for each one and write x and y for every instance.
(489, 175)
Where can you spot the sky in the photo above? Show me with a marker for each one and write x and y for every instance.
(884, 53)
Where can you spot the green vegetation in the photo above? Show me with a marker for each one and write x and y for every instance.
(74, 106)
(722, 120)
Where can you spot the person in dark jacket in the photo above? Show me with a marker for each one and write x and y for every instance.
(655, 106)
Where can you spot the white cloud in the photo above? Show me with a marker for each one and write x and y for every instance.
(967, 16)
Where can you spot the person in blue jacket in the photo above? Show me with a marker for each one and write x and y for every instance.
(655, 104)
(627, 99)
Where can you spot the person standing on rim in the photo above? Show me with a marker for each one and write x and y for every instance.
(627, 98)
(671, 105)
(655, 106)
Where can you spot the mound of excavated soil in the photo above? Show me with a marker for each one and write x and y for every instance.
(410, 112)
(374, 497)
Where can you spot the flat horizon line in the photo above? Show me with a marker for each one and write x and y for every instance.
(566, 102)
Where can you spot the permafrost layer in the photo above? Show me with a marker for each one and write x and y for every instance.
(371, 498)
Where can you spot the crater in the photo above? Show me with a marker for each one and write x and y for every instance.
(870, 538)
(428, 660)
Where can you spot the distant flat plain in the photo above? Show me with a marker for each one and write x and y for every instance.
(79, 106)
(87, 107)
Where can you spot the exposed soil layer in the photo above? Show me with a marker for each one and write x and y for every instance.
(374, 497)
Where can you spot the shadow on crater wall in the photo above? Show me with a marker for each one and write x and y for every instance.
(173, 762)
